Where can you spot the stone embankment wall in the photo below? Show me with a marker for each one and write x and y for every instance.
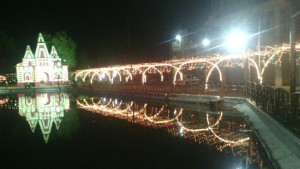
(176, 97)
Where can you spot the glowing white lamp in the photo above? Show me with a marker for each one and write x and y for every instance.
(205, 42)
(236, 40)
(178, 38)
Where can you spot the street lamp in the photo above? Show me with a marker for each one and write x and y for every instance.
(176, 45)
(237, 41)
(205, 42)
(178, 38)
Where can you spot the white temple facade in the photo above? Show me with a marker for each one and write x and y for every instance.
(42, 67)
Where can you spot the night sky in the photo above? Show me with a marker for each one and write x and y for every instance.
(104, 28)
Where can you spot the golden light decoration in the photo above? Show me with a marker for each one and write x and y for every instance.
(268, 54)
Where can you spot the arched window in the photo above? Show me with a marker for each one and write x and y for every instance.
(42, 54)
(27, 76)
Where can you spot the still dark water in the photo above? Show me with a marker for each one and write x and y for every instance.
(59, 130)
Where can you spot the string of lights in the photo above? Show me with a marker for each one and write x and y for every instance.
(268, 55)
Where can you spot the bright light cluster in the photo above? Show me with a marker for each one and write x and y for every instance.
(2, 78)
(268, 55)
(3, 101)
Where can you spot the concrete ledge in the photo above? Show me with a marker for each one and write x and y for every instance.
(192, 98)
(32, 90)
(237, 100)
(283, 146)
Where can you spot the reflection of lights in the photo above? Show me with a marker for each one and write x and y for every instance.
(46, 115)
(159, 118)
(3, 101)
(222, 139)
(201, 129)
(44, 98)
(116, 109)
(57, 109)
(181, 131)
(162, 121)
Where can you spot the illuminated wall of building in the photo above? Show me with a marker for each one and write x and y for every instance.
(45, 109)
(42, 67)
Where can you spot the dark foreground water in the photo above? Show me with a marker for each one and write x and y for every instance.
(57, 130)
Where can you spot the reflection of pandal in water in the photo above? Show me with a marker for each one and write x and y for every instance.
(223, 139)
(142, 114)
(3, 101)
(141, 117)
(210, 128)
(115, 109)
(105, 108)
(151, 118)
(201, 129)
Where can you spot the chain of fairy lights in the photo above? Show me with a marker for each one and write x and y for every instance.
(268, 54)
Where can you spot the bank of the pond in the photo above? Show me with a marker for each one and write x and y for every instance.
(175, 97)
(281, 144)
(14, 90)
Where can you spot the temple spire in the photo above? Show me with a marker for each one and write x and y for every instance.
(41, 50)
(28, 53)
(41, 38)
(53, 52)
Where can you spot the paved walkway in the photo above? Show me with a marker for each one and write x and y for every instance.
(283, 146)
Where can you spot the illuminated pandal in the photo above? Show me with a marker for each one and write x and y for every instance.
(3, 101)
(267, 54)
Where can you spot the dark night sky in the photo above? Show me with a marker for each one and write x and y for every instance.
(101, 27)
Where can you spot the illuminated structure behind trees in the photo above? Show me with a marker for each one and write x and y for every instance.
(44, 109)
(42, 67)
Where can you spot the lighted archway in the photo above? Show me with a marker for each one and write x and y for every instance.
(278, 52)
(154, 66)
(195, 61)
(144, 77)
(228, 58)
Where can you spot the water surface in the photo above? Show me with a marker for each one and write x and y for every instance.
(58, 130)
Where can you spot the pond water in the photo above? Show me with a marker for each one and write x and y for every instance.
(60, 130)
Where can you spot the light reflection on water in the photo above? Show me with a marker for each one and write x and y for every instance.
(41, 109)
(214, 128)
(211, 127)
